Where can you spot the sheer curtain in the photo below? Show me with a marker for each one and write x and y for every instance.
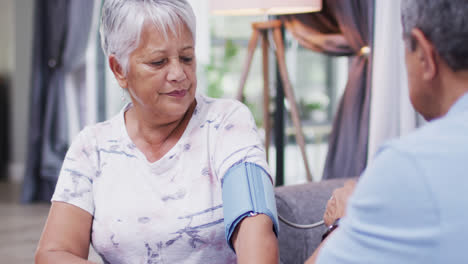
(391, 114)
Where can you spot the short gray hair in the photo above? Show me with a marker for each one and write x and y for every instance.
(123, 20)
(444, 23)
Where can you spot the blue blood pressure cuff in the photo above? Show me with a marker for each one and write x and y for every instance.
(247, 191)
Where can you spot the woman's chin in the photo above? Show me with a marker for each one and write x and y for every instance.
(178, 109)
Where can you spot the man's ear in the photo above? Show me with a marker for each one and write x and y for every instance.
(425, 53)
(118, 71)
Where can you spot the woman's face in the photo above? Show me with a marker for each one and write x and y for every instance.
(161, 77)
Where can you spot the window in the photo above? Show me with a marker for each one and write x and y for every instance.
(318, 82)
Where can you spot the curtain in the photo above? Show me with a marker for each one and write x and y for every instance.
(84, 81)
(391, 113)
(61, 29)
(343, 28)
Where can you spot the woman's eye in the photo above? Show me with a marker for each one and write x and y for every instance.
(186, 59)
(159, 62)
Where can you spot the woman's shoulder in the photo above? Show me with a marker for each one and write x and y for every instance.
(101, 131)
(220, 106)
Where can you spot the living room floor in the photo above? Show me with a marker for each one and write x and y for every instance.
(21, 226)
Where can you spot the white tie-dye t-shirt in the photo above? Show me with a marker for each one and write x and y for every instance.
(168, 211)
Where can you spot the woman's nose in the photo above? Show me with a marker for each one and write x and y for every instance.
(176, 72)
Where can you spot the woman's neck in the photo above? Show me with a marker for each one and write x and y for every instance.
(152, 138)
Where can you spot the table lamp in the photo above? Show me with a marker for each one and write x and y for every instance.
(269, 7)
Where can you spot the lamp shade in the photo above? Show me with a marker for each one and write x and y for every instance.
(264, 7)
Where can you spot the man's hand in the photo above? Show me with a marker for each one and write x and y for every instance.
(336, 206)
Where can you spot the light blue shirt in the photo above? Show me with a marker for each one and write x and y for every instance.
(411, 203)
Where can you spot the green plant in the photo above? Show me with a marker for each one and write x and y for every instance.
(257, 112)
(314, 106)
(217, 69)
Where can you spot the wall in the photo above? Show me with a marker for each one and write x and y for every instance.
(7, 33)
(6, 69)
(22, 17)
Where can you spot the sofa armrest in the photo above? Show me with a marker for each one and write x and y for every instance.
(302, 204)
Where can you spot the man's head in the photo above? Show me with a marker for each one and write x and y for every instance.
(436, 40)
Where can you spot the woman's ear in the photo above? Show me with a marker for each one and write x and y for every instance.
(118, 71)
(426, 54)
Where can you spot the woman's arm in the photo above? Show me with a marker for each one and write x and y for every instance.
(255, 241)
(66, 235)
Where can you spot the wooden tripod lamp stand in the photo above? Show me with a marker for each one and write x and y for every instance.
(261, 30)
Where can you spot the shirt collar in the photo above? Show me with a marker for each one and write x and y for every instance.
(460, 105)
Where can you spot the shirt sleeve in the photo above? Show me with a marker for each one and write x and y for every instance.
(75, 182)
(391, 217)
(238, 141)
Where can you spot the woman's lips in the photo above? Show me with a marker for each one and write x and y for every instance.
(177, 93)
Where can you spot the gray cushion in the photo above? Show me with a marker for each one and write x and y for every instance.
(302, 204)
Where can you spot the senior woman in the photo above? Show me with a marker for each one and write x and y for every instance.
(175, 177)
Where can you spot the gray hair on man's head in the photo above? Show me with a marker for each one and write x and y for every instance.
(123, 20)
(444, 23)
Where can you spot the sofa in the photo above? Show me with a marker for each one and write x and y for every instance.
(302, 204)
